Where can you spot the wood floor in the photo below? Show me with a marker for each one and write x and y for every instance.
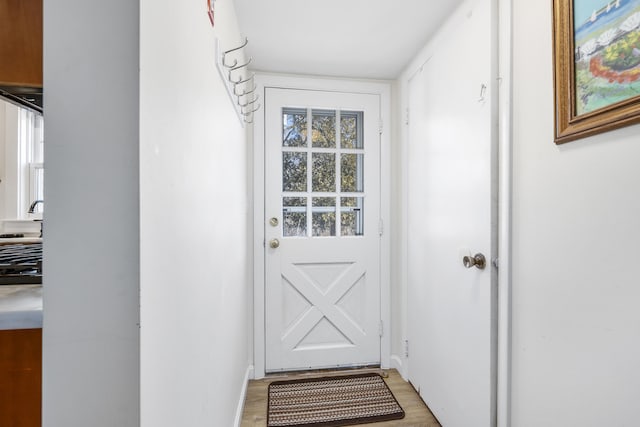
(416, 412)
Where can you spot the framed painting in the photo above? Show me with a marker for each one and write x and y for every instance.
(596, 66)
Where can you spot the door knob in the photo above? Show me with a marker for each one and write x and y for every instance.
(274, 243)
(478, 261)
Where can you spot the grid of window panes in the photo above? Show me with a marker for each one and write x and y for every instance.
(322, 173)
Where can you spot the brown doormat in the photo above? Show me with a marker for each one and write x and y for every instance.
(331, 401)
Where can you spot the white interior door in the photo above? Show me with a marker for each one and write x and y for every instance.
(451, 215)
(322, 239)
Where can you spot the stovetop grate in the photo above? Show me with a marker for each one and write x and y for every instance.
(21, 264)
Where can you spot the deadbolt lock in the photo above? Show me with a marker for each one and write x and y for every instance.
(274, 222)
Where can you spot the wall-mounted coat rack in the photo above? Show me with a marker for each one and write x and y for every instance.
(233, 68)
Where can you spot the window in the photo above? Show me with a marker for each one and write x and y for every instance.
(22, 158)
(322, 173)
(30, 169)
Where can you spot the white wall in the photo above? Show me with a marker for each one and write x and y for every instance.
(171, 239)
(576, 225)
(91, 250)
(193, 221)
(576, 228)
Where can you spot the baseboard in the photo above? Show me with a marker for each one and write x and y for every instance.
(398, 364)
(243, 395)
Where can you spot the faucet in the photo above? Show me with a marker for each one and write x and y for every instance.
(32, 208)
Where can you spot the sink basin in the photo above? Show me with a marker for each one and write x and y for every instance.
(27, 227)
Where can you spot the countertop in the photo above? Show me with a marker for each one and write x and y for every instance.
(20, 307)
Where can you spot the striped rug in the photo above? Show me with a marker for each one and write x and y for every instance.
(331, 401)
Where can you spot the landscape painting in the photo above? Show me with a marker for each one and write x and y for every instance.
(606, 53)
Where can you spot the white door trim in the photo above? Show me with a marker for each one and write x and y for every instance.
(505, 181)
(383, 89)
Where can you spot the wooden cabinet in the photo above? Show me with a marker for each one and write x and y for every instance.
(20, 378)
(21, 43)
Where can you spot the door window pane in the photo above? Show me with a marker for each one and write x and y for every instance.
(352, 172)
(324, 216)
(323, 128)
(294, 171)
(351, 216)
(294, 216)
(294, 127)
(324, 172)
(351, 129)
(312, 168)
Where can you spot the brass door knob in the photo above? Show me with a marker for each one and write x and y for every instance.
(478, 261)
(274, 243)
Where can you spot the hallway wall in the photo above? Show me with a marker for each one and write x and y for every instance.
(145, 246)
(193, 221)
(576, 228)
(91, 361)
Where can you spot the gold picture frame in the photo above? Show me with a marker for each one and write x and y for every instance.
(596, 66)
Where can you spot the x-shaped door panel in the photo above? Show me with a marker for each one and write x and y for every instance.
(323, 304)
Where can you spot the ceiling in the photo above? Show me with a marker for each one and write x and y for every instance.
(346, 38)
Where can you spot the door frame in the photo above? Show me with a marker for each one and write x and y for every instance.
(505, 202)
(380, 88)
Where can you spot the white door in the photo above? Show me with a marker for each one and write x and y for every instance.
(322, 213)
(452, 215)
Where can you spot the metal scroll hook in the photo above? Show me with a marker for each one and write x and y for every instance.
(235, 62)
(247, 113)
(246, 104)
(237, 67)
(239, 82)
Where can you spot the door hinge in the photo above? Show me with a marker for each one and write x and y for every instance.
(381, 127)
(406, 349)
(380, 227)
(380, 328)
(406, 120)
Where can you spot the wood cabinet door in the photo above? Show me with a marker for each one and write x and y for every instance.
(21, 43)
(21, 378)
